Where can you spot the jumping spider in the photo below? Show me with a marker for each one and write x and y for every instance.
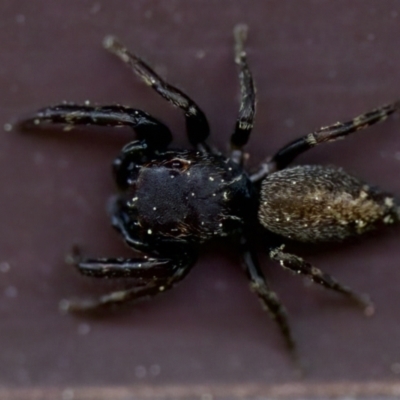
(170, 201)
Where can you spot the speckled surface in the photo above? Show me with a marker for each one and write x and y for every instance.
(314, 62)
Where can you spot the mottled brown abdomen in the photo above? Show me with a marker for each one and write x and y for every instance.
(314, 203)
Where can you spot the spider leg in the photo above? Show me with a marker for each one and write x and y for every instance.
(269, 299)
(299, 266)
(244, 123)
(330, 133)
(144, 268)
(196, 122)
(153, 132)
(155, 276)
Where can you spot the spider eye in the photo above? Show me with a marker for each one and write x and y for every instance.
(176, 163)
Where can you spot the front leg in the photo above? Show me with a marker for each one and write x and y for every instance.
(156, 135)
(299, 266)
(197, 126)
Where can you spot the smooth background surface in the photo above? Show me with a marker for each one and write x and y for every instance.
(314, 62)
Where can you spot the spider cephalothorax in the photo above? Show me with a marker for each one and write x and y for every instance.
(189, 196)
(171, 201)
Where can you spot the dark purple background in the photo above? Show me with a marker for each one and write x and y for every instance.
(314, 62)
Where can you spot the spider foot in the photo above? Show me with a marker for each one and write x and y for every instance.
(74, 256)
(368, 305)
(87, 305)
(72, 305)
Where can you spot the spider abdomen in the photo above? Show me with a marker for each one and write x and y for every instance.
(315, 203)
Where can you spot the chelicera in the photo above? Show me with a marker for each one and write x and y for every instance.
(171, 201)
